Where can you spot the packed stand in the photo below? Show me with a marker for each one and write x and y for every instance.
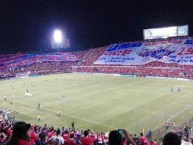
(92, 56)
(39, 64)
(84, 61)
(21, 133)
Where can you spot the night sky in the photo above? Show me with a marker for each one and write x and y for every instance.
(27, 25)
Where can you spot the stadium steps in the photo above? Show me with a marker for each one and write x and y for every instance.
(83, 58)
(6, 111)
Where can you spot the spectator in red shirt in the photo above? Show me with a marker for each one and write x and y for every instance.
(33, 137)
(20, 135)
(51, 133)
(9, 131)
(143, 139)
(87, 140)
(71, 140)
(65, 135)
(155, 142)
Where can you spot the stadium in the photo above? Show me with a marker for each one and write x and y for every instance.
(140, 86)
(103, 96)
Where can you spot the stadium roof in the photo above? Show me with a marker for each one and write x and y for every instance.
(27, 25)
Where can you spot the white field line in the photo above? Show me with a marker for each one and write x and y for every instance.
(47, 115)
(83, 119)
(188, 106)
(100, 123)
(71, 116)
(87, 119)
(152, 92)
(176, 100)
(79, 118)
(172, 102)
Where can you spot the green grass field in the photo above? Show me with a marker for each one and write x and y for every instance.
(99, 102)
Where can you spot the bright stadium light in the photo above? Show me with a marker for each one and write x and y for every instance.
(59, 40)
(57, 36)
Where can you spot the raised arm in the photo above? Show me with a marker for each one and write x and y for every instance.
(128, 137)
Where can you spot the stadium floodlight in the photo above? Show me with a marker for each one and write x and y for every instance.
(57, 36)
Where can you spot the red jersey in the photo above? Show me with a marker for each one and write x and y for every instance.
(143, 140)
(70, 142)
(23, 142)
(33, 137)
(66, 136)
(87, 140)
(155, 143)
(50, 134)
(9, 132)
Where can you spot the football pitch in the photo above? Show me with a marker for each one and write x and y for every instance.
(99, 102)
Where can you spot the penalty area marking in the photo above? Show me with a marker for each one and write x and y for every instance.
(79, 118)
(175, 114)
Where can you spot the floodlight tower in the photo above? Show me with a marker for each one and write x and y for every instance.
(57, 36)
(57, 40)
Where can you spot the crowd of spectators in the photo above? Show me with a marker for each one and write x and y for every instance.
(21, 133)
(46, 68)
(85, 63)
(140, 71)
(92, 56)
(9, 68)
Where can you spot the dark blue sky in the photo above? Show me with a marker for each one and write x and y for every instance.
(26, 25)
